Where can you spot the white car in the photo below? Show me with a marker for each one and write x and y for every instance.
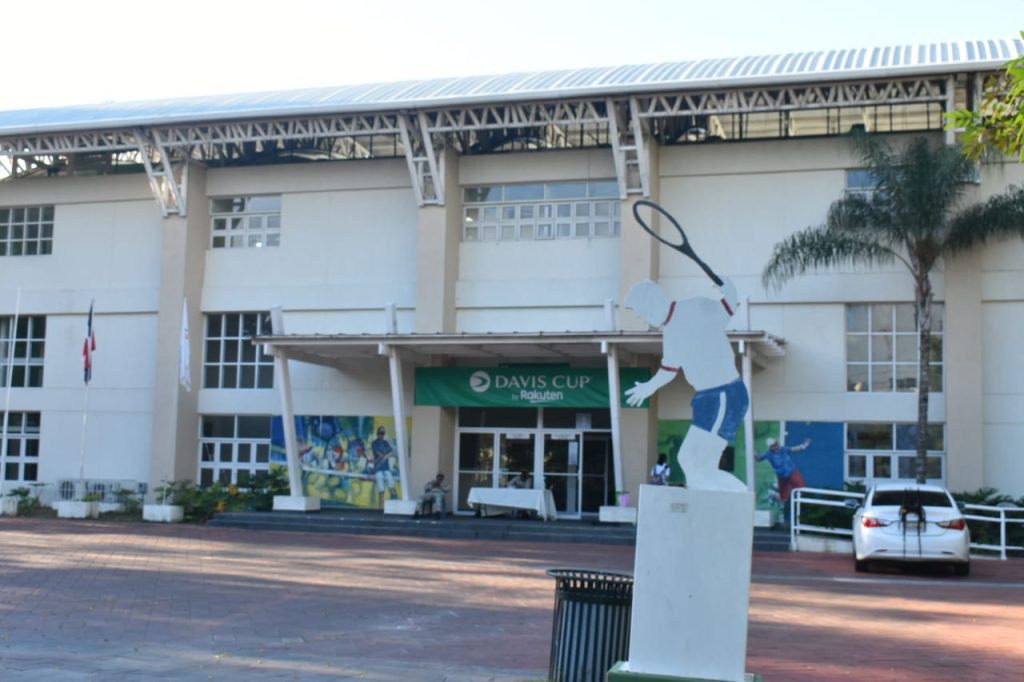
(911, 522)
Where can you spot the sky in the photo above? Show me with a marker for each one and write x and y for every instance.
(63, 52)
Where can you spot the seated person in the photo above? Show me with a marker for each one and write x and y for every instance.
(521, 480)
(433, 497)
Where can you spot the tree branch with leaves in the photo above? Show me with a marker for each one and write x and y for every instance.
(998, 121)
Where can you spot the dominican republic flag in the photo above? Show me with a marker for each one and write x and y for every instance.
(89, 347)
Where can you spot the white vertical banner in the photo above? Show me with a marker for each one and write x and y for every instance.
(185, 359)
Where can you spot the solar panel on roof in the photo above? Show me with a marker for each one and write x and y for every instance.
(976, 55)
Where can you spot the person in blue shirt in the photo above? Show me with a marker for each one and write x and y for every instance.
(781, 459)
(381, 449)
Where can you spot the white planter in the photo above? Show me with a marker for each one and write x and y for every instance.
(107, 507)
(163, 513)
(764, 518)
(301, 504)
(608, 514)
(75, 509)
(8, 506)
(400, 507)
(830, 545)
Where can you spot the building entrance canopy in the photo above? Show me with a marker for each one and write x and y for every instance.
(337, 350)
(465, 355)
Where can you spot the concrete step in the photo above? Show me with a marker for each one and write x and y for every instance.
(364, 522)
(375, 523)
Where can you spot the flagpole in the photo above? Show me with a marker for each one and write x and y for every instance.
(87, 353)
(81, 463)
(7, 398)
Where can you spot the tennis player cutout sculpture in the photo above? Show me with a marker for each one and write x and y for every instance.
(691, 588)
(694, 342)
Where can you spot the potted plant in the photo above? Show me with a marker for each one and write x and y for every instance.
(166, 509)
(622, 498)
(86, 508)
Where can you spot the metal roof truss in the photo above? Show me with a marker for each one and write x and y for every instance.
(626, 124)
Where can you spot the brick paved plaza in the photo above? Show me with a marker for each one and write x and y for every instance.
(98, 601)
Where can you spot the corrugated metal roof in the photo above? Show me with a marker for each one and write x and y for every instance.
(705, 73)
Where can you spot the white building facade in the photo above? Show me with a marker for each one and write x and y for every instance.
(426, 246)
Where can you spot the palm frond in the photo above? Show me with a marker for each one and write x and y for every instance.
(1000, 216)
(821, 247)
(871, 218)
(919, 185)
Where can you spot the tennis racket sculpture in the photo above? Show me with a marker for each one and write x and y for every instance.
(679, 242)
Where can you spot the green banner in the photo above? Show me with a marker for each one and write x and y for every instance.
(535, 386)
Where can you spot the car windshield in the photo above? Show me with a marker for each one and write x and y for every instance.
(911, 498)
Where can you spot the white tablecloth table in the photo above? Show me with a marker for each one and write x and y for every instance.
(502, 500)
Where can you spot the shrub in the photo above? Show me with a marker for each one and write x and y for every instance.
(987, 532)
(201, 503)
(129, 500)
(28, 503)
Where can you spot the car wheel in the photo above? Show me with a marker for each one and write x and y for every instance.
(860, 566)
(962, 570)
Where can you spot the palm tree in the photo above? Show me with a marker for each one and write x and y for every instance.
(913, 216)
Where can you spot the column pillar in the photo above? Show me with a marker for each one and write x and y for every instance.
(439, 234)
(174, 444)
(638, 252)
(638, 261)
(295, 501)
(964, 394)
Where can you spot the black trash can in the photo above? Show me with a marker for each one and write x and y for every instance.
(591, 628)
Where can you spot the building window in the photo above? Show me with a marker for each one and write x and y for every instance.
(233, 448)
(26, 231)
(861, 181)
(877, 452)
(881, 348)
(552, 210)
(245, 222)
(21, 351)
(21, 458)
(231, 359)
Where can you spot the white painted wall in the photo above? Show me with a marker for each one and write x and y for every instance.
(106, 248)
(735, 203)
(348, 247)
(120, 397)
(539, 285)
(1003, 362)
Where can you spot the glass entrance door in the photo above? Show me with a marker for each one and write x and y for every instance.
(597, 486)
(476, 464)
(562, 470)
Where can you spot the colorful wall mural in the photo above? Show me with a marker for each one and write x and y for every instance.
(821, 463)
(346, 461)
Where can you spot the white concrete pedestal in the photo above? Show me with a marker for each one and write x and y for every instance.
(291, 503)
(400, 507)
(692, 583)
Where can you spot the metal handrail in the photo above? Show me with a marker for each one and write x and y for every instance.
(824, 498)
